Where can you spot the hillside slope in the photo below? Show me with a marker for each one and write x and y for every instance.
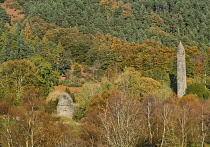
(130, 20)
(13, 9)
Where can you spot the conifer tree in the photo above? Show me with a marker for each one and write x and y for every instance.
(45, 48)
(22, 47)
(57, 55)
(27, 32)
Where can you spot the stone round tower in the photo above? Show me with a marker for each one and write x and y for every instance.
(181, 71)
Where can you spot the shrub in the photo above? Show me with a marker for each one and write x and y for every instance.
(198, 89)
(52, 106)
(75, 84)
(4, 17)
(70, 94)
(69, 84)
(79, 113)
(2, 1)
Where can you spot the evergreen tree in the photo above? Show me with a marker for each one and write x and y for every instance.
(4, 17)
(22, 47)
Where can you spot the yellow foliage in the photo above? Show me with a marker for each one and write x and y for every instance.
(189, 98)
(130, 81)
(148, 85)
(27, 32)
(127, 10)
(190, 80)
(157, 19)
(112, 5)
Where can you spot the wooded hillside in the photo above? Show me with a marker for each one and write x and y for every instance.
(133, 21)
(117, 61)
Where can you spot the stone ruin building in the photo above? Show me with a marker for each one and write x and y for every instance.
(65, 106)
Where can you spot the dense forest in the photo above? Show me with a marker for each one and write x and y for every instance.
(117, 61)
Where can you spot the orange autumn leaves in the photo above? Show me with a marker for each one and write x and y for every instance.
(112, 5)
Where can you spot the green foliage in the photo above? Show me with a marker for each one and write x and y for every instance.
(51, 106)
(15, 76)
(199, 89)
(79, 113)
(207, 82)
(15, 47)
(70, 84)
(1, 93)
(97, 38)
(4, 17)
(133, 21)
(71, 94)
(88, 91)
(48, 77)
(2, 1)
(14, 6)
(131, 82)
(105, 53)
(77, 69)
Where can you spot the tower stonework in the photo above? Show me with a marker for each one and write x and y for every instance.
(181, 71)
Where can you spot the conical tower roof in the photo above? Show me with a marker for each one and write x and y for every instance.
(180, 49)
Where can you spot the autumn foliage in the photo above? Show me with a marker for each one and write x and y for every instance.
(122, 56)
